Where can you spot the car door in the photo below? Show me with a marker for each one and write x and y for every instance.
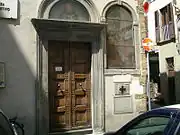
(148, 125)
(176, 126)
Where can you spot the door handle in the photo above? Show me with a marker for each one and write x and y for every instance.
(59, 88)
(82, 87)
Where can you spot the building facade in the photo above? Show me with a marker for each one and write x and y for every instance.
(162, 29)
(73, 65)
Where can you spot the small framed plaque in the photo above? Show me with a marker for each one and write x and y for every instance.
(58, 68)
(122, 88)
(2, 74)
(123, 104)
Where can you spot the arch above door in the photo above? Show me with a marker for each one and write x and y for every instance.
(88, 6)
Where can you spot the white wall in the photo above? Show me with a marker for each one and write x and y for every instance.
(154, 6)
(18, 51)
(165, 50)
(115, 121)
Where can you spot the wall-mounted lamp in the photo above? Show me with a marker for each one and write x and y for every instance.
(2, 74)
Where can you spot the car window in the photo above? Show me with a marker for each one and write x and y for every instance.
(149, 126)
(177, 131)
(5, 128)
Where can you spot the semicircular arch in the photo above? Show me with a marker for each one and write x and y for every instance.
(122, 3)
(46, 6)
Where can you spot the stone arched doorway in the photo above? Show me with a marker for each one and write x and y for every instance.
(70, 75)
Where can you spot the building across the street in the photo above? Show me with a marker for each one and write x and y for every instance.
(165, 63)
(72, 65)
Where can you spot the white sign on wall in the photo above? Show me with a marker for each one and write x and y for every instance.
(8, 9)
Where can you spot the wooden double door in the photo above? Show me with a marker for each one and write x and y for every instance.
(69, 77)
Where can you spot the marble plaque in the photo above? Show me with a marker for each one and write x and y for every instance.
(123, 104)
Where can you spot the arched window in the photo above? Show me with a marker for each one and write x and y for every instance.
(120, 45)
(69, 10)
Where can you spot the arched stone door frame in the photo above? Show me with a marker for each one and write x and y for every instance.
(46, 5)
(97, 41)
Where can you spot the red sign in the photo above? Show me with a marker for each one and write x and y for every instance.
(146, 7)
(146, 4)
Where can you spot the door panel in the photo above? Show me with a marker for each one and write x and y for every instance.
(59, 96)
(81, 85)
(69, 85)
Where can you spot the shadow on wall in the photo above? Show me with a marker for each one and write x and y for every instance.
(170, 86)
(18, 97)
(177, 87)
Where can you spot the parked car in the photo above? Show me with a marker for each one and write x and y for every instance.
(6, 128)
(160, 121)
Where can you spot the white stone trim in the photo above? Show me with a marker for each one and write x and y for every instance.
(121, 3)
(90, 7)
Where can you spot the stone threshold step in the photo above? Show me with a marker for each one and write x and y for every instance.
(74, 132)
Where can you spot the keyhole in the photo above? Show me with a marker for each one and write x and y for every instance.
(59, 88)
